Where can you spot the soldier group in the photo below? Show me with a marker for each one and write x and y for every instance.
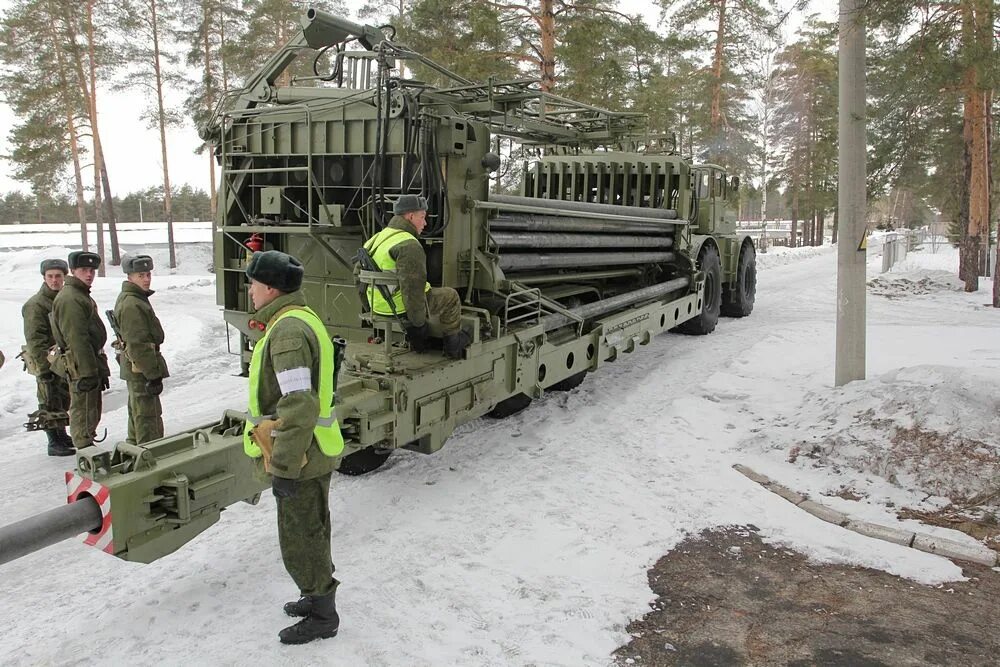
(291, 429)
(64, 349)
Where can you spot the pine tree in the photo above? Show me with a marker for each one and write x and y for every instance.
(153, 68)
(728, 31)
(935, 68)
(805, 126)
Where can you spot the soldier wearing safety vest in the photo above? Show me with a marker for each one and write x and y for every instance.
(293, 434)
(396, 248)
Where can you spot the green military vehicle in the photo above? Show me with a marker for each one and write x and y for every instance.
(604, 246)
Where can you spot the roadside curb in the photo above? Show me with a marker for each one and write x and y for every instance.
(921, 541)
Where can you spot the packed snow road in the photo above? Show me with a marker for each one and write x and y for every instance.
(524, 541)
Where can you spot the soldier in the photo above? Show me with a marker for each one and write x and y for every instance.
(53, 392)
(292, 433)
(81, 334)
(396, 248)
(142, 366)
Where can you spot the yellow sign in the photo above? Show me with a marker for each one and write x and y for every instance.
(864, 241)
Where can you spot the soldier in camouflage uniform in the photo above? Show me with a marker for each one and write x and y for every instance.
(80, 332)
(396, 248)
(53, 392)
(292, 433)
(142, 366)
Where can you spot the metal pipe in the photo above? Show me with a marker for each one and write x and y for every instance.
(556, 320)
(521, 261)
(43, 530)
(583, 206)
(580, 275)
(593, 215)
(550, 223)
(529, 240)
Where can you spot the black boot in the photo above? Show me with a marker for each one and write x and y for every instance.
(455, 344)
(300, 608)
(63, 437)
(321, 623)
(58, 446)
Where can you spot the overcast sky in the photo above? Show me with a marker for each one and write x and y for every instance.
(133, 150)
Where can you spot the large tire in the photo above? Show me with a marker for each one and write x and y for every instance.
(510, 406)
(704, 323)
(739, 299)
(363, 461)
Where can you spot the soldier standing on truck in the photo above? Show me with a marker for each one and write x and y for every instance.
(396, 248)
(139, 338)
(292, 433)
(80, 335)
(53, 392)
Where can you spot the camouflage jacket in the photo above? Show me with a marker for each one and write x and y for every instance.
(142, 334)
(411, 268)
(291, 345)
(82, 330)
(37, 329)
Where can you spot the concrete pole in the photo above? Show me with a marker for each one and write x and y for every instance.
(851, 198)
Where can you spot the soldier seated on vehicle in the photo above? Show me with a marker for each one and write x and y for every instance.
(396, 248)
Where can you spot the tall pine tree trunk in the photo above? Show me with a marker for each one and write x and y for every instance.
(96, 137)
(162, 120)
(209, 102)
(547, 29)
(977, 40)
(793, 234)
(715, 118)
(74, 141)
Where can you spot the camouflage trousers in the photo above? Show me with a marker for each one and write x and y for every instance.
(304, 536)
(53, 395)
(145, 415)
(443, 302)
(84, 415)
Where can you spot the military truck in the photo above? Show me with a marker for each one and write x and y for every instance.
(607, 243)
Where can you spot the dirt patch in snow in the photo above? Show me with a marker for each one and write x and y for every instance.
(899, 287)
(727, 598)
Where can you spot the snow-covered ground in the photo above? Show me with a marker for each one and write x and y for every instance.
(526, 541)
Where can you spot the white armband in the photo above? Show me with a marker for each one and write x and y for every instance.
(294, 379)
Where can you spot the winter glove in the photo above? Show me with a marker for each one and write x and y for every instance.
(417, 336)
(154, 387)
(88, 383)
(284, 488)
(105, 383)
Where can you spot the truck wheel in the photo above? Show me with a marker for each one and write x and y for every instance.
(571, 382)
(363, 461)
(708, 262)
(739, 300)
(510, 406)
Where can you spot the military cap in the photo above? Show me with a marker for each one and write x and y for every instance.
(276, 269)
(137, 264)
(81, 259)
(408, 203)
(54, 264)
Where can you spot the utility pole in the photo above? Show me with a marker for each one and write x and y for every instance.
(851, 198)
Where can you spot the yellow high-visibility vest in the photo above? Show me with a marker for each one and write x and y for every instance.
(378, 247)
(327, 430)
